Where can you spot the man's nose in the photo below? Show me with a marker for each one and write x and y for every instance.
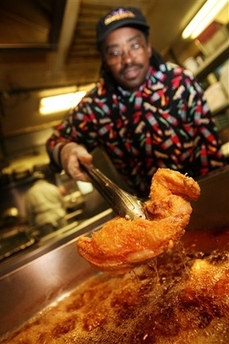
(127, 58)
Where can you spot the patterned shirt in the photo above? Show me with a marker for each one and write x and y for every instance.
(165, 123)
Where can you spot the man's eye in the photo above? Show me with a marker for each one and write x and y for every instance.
(115, 53)
(135, 46)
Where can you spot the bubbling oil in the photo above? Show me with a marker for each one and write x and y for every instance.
(181, 298)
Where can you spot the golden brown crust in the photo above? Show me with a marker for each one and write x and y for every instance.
(122, 244)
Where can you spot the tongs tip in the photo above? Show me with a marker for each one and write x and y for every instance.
(123, 204)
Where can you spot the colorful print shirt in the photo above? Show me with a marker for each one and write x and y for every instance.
(165, 123)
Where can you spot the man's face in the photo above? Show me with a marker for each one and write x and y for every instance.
(126, 54)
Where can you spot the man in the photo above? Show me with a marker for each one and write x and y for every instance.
(143, 112)
(44, 206)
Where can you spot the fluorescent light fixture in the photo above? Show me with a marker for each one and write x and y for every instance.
(203, 18)
(59, 103)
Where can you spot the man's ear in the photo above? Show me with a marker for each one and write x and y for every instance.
(149, 50)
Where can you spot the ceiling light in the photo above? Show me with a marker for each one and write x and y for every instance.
(203, 18)
(59, 103)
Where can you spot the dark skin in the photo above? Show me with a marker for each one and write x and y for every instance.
(126, 53)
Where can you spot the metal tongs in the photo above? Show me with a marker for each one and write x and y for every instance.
(122, 203)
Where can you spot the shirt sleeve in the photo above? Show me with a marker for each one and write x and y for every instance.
(207, 152)
(79, 127)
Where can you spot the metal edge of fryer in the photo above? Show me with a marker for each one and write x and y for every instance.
(44, 277)
(211, 210)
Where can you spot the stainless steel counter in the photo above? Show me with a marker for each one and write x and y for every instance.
(53, 241)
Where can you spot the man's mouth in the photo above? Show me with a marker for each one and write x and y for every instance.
(130, 72)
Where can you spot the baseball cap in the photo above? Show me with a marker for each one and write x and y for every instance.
(120, 17)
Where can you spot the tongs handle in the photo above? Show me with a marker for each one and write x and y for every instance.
(122, 203)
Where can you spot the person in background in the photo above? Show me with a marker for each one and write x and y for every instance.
(44, 206)
(144, 113)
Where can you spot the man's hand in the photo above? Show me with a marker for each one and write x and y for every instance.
(70, 156)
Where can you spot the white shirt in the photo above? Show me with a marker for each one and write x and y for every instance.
(44, 204)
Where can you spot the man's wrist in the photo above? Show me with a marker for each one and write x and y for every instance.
(57, 153)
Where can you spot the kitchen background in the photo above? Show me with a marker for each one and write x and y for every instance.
(47, 47)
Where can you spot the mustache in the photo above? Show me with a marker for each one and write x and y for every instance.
(128, 66)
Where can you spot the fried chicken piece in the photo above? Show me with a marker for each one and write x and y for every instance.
(122, 244)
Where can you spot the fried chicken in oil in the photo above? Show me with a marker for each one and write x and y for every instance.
(122, 244)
